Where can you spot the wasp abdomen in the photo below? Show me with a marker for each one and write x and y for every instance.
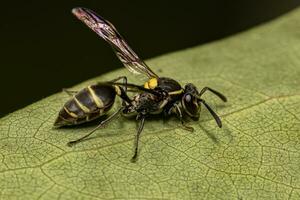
(88, 104)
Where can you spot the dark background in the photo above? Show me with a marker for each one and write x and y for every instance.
(45, 48)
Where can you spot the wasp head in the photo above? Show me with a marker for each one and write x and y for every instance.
(190, 101)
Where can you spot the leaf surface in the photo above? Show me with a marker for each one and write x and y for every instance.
(256, 155)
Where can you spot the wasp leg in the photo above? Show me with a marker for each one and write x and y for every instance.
(119, 78)
(221, 96)
(125, 83)
(101, 125)
(137, 138)
(123, 94)
(69, 92)
(179, 115)
(125, 90)
(216, 117)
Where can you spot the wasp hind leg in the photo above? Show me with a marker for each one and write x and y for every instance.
(101, 125)
(123, 92)
(69, 92)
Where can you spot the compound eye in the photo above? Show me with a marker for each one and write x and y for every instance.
(190, 105)
(188, 98)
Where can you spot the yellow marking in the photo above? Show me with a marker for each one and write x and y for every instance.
(146, 85)
(83, 107)
(118, 90)
(71, 113)
(97, 100)
(151, 83)
(162, 105)
(185, 109)
(176, 92)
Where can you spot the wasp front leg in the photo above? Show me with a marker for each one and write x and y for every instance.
(175, 109)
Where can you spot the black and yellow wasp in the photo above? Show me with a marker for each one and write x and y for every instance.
(157, 95)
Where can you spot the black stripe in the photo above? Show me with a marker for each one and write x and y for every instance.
(86, 99)
(104, 92)
(72, 106)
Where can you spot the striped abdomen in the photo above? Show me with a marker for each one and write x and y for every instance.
(88, 104)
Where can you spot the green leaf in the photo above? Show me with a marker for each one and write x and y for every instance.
(256, 155)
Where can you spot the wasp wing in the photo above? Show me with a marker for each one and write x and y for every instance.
(109, 33)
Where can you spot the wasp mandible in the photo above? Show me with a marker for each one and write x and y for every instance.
(157, 95)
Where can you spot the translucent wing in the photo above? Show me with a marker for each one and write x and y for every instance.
(109, 33)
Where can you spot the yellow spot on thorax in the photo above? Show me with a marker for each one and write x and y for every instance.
(151, 83)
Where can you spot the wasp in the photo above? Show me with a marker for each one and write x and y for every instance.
(157, 95)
